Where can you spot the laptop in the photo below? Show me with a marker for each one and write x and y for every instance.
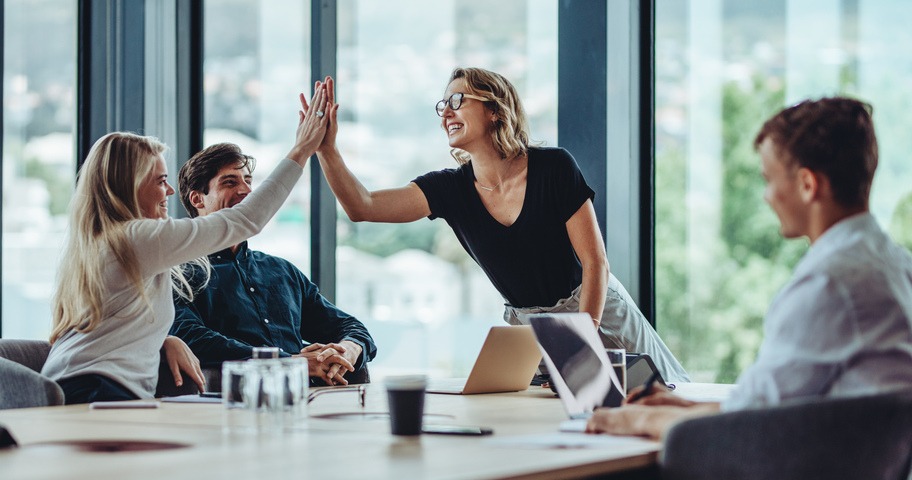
(579, 368)
(506, 363)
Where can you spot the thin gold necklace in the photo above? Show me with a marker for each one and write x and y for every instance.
(491, 189)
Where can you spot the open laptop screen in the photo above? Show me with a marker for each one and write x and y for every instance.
(576, 360)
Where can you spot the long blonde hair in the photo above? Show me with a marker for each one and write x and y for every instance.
(511, 127)
(104, 202)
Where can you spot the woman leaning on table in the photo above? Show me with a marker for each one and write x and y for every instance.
(113, 305)
(524, 213)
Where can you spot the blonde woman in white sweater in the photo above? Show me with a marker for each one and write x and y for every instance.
(113, 305)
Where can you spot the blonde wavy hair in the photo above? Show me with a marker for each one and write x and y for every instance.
(104, 202)
(511, 127)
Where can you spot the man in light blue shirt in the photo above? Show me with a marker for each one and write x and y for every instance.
(842, 326)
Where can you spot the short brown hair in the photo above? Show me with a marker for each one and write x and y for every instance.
(196, 174)
(833, 136)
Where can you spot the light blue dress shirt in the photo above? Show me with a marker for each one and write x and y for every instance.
(842, 326)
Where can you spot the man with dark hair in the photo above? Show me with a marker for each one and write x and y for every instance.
(253, 299)
(842, 326)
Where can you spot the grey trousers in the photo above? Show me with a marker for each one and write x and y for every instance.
(622, 326)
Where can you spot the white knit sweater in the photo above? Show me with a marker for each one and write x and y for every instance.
(125, 345)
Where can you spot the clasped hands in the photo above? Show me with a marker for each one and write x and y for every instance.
(331, 361)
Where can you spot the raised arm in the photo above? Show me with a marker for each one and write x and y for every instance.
(165, 243)
(396, 205)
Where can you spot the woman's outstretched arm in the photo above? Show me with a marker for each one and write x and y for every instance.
(395, 205)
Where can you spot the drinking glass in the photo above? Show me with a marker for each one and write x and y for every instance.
(265, 352)
(295, 380)
(233, 373)
(618, 359)
(263, 392)
(236, 417)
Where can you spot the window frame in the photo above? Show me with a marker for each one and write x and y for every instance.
(597, 95)
(605, 119)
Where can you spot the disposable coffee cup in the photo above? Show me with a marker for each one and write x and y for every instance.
(405, 395)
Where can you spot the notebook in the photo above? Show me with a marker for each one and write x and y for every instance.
(579, 367)
(506, 363)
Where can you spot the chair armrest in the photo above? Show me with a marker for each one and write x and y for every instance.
(31, 353)
(23, 387)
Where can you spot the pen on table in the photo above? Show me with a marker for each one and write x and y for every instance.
(647, 387)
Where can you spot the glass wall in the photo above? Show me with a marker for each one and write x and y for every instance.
(256, 61)
(39, 168)
(722, 68)
(424, 300)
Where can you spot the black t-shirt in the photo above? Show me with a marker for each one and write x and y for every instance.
(531, 263)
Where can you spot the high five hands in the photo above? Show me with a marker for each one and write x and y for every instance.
(329, 112)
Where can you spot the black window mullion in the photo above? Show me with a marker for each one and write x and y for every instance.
(323, 203)
(646, 113)
(111, 70)
(617, 163)
(190, 95)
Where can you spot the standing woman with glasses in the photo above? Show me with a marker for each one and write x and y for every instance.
(524, 213)
(113, 305)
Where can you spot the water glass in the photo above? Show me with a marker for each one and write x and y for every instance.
(296, 380)
(235, 415)
(618, 359)
(265, 352)
(264, 395)
(233, 373)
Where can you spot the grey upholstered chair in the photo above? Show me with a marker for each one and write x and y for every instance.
(21, 383)
(848, 438)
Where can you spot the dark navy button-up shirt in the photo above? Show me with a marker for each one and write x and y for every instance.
(255, 300)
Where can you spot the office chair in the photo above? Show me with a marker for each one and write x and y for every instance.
(21, 383)
(847, 438)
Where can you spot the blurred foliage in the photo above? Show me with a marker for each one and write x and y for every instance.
(901, 223)
(385, 239)
(59, 187)
(711, 298)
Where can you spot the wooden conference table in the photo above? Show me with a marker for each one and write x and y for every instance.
(355, 444)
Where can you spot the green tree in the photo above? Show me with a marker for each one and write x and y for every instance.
(384, 239)
(901, 223)
(715, 325)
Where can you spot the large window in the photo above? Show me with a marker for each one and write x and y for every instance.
(424, 300)
(257, 60)
(722, 67)
(39, 169)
